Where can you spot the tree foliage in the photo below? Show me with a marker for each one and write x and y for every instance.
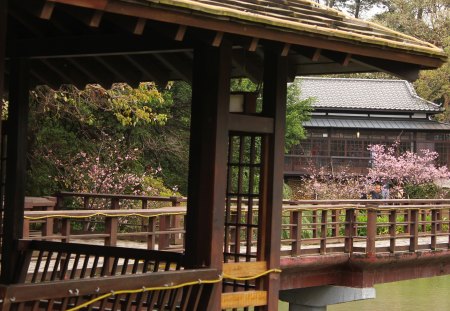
(354, 7)
(428, 20)
(297, 112)
(77, 138)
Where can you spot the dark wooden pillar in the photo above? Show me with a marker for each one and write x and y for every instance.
(274, 106)
(16, 165)
(207, 160)
(3, 19)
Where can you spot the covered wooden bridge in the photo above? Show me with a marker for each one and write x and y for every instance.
(206, 43)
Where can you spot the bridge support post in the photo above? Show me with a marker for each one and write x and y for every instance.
(318, 298)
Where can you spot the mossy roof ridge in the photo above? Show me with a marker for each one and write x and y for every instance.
(304, 16)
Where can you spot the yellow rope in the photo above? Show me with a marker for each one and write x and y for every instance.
(397, 208)
(103, 214)
(147, 289)
(235, 278)
(300, 209)
(144, 289)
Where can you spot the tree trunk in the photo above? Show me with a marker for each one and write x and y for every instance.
(357, 7)
(419, 13)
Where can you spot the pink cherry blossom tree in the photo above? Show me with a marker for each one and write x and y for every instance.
(407, 168)
(110, 167)
(403, 171)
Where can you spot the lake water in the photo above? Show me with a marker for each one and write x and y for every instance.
(415, 295)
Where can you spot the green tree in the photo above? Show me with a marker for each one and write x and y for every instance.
(67, 120)
(297, 112)
(428, 20)
(354, 7)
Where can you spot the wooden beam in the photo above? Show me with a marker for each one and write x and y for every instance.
(250, 124)
(150, 67)
(244, 269)
(328, 68)
(274, 106)
(16, 166)
(133, 25)
(249, 63)
(181, 32)
(84, 69)
(342, 59)
(217, 41)
(244, 299)
(286, 49)
(62, 73)
(316, 55)
(101, 75)
(47, 10)
(176, 64)
(404, 71)
(120, 72)
(140, 26)
(91, 45)
(40, 9)
(96, 19)
(255, 31)
(3, 23)
(90, 4)
(253, 45)
(207, 161)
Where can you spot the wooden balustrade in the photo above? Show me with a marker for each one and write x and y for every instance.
(65, 275)
(309, 227)
(158, 232)
(70, 274)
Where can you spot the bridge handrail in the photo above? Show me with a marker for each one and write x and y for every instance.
(334, 226)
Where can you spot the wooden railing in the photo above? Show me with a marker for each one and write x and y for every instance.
(309, 227)
(62, 276)
(365, 226)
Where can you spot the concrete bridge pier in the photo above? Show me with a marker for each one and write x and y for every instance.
(318, 298)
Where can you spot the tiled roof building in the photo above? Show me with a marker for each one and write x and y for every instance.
(351, 114)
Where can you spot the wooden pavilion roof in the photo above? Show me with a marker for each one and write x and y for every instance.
(106, 41)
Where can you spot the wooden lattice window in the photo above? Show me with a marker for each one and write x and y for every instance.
(243, 191)
(242, 221)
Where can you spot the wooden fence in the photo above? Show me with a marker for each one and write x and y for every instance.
(309, 227)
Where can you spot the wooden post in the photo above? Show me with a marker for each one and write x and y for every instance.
(3, 23)
(323, 232)
(296, 233)
(176, 223)
(111, 224)
(392, 230)
(274, 106)
(414, 231)
(151, 228)
(335, 226)
(434, 227)
(207, 162)
(26, 228)
(163, 236)
(65, 230)
(371, 231)
(349, 217)
(15, 171)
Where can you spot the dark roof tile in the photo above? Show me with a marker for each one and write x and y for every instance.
(364, 95)
(376, 124)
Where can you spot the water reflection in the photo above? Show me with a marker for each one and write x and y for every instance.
(414, 295)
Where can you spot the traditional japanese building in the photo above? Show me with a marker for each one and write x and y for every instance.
(351, 114)
(206, 43)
